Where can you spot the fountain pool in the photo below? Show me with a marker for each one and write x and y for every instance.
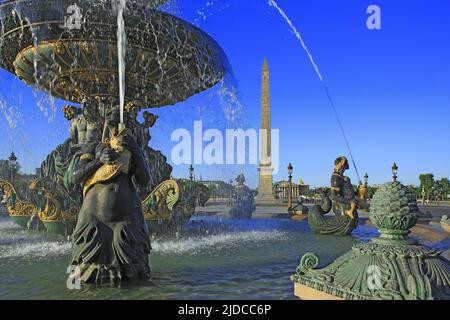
(211, 258)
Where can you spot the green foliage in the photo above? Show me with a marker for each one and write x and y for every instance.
(220, 189)
(426, 183)
(434, 189)
(371, 191)
(416, 191)
(5, 172)
(21, 181)
(440, 189)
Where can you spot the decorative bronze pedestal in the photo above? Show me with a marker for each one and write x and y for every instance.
(390, 267)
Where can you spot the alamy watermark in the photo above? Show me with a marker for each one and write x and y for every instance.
(374, 20)
(74, 280)
(235, 146)
(73, 18)
(374, 278)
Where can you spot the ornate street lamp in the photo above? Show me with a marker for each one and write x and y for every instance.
(290, 169)
(423, 195)
(191, 172)
(394, 172)
(362, 188)
(12, 166)
(231, 193)
(366, 179)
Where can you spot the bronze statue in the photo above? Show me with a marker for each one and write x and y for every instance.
(88, 126)
(87, 133)
(18, 209)
(299, 209)
(71, 113)
(111, 240)
(342, 200)
(84, 130)
(149, 122)
(342, 193)
(157, 162)
(243, 200)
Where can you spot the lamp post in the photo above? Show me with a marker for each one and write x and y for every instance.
(231, 193)
(423, 195)
(191, 172)
(362, 188)
(12, 166)
(394, 172)
(290, 169)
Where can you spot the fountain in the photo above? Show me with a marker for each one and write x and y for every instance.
(104, 55)
(168, 60)
(18, 209)
(77, 58)
(172, 204)
(389, 267)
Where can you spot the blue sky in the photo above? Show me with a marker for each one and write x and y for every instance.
(390, 86)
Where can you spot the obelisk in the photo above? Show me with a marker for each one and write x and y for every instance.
(265, 189)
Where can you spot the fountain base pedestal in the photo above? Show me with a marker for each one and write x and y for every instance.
(389, 267)
(307, 293)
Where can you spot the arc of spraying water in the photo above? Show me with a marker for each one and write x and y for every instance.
(272, 3)
(121, 52)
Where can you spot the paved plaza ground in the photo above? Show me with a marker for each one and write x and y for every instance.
(436, 210)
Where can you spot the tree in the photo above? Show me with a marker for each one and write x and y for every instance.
(5, 173)
(212, 190)
(445, 183)
(441, 189)
(426, 183)
(21, 180)
(371, 191)
(416, 191)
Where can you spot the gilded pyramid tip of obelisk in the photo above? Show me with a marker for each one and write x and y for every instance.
(265, 65)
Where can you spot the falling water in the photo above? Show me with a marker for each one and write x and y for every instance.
(9, 113)
(121, 52)
(272, 3)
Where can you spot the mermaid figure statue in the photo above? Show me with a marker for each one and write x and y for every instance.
(111, 240)
(342, 199)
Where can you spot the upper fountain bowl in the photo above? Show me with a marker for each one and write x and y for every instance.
(71, 51)
(150, 3)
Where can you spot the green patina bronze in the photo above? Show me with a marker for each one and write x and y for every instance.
(21, 220)
(391, 266)
(192, 194)
(243, 200)
(342, 200)
(59, 227)
(97, 178)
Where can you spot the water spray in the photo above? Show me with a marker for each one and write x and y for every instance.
(121, 51)
(272, 3)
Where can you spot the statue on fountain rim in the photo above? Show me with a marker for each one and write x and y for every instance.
(111, 240)
(88, 126)
(243, 200)
(342, 199)
(161, 170)
(85, 134)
